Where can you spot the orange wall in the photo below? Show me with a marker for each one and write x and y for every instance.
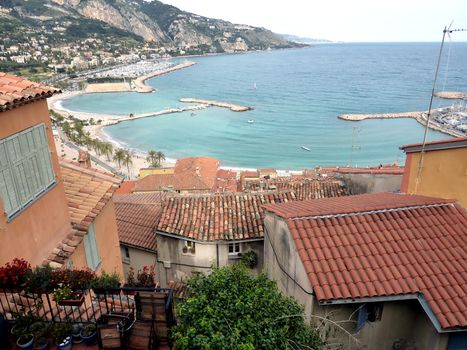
(38, 229)
(105, 226)
(444, 174)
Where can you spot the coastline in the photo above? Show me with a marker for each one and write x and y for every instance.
(419, 116)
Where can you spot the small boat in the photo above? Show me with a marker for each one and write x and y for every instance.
(251, 121)
(306, 148)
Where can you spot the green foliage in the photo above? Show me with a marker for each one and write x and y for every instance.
(61, 331)
(106, 281)
(232, 309)
(250, 259)
(39, 279)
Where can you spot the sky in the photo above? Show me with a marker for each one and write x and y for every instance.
(341, 20)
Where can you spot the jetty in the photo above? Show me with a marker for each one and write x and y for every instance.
(140, 82)
(419, 116)
(231, 106)
(451, 95)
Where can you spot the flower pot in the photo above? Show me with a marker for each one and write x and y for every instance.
(77, 300)
(89, 340)
(41, 345)
(66, 344)
(16, 330)
(25, 344)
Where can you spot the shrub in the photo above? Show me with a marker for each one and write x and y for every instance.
(106, 281)
(250, 259)
(13, 274)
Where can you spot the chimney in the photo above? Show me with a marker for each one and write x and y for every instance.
(197, 171)
(84, 159)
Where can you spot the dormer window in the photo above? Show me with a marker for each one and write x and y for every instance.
(26, 170)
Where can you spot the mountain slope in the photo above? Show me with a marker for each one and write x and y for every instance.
(152, 21)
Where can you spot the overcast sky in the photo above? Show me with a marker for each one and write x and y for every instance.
(341, 20)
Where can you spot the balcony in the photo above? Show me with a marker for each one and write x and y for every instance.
(136, 318)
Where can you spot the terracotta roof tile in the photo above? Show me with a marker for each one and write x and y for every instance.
(87, 191)
(439, 142)
(380, 258)
(214, 217)
(16, 91)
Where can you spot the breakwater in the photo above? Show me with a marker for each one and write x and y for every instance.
(420, 117)
(231, 106)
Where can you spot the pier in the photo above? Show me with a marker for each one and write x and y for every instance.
(231, 106)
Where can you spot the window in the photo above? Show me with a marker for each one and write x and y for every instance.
(90, 248)
(370, 312)
(127, 253)
(189, 247)
(25, 168)
(234, 248)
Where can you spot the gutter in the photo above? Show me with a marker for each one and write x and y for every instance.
(224, 241)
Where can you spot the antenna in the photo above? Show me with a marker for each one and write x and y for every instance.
(447, 30)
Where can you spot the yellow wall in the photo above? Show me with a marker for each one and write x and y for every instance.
(105, 226)
(151, 171)
(38, 229)
(444, 174)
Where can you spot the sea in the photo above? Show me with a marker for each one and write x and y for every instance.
(297, 95)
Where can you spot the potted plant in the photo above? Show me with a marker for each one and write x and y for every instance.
(41, 343)
(13, 275)
(89, 334)
(76, 333)
(25, 341)
(62, 335)
(39, 329)
(65, 296)
(105, 282)
(77, 280)
(39, 280)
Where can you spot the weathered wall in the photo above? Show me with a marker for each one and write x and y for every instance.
(370, 183)
(39, 228)
(108, 245)
(183, 265)
(444, 174)
(283, 264)
(138, 259)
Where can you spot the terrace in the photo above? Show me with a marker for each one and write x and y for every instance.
(133, 317)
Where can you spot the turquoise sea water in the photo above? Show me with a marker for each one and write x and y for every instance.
(297, 95)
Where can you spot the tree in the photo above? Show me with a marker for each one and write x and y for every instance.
(128, 160)
(160, 156)
(232, 309)
(119, 156)
(152, 158)
(107, 149)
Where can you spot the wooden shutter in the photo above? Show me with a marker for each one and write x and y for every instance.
(8, 193)
(91, 249)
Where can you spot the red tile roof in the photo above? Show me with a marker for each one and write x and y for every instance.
(204, 168)
(226, 181)
(136, 224)
(139, 198)
(303, 188)
(171, 182)
(439, 142)
(126, 187)
(384, 244)
(16, 91)
(87, 191)
(217, 217)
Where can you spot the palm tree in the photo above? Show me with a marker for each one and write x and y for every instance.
(107, 149)
(152, 158)
(160, 156)
(128, 160)
(119, 156)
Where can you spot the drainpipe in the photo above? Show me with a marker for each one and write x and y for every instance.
(217, 254)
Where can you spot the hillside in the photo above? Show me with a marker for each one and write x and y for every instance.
(134, 21)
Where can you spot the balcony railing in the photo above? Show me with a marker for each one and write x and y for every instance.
(153, 306)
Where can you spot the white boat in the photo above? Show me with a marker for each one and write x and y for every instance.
(306, 148)
(251, 121)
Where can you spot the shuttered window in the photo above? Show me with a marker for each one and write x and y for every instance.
(25, 168)
(90, 248)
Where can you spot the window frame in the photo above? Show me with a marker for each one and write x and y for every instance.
(91, 248)
(236, 249)
(26, 168)
(189, 248)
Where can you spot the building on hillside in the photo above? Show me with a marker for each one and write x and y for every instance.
(92, 213)
(197, 232)
(382, 178)
(190, 175)
(389, 268)
(143, 172)
(443, 169)
(304, 188)
(51, 213)
(137, 218)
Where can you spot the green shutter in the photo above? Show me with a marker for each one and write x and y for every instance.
(90, 248)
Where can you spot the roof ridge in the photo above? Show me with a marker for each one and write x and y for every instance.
(385, 210)
(92, 172)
